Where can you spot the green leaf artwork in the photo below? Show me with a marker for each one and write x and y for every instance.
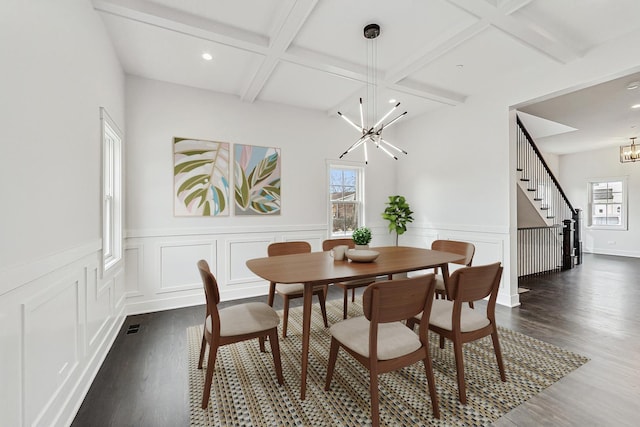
(201, 177)
(257, 180)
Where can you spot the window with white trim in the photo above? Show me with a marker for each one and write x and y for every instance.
(346, 198)
(111, 191)
(608, 203)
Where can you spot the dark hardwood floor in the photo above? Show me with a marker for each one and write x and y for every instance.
(593, 310)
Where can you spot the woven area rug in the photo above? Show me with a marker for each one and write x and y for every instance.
(245, 391)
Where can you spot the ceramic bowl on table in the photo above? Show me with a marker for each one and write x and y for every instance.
(362, 255)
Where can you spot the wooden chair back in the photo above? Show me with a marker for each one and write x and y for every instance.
(329, 244)
(475, 283)
(395, 300)
(212, 295)
(461, 248)
(288, 248)
(209, 282)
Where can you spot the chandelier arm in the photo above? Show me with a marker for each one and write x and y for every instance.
(361, 116)
(348, 120)
(366, 155)
(386, 115)
(393, 121)
(387, 151)
(384, 141)
(355, 145)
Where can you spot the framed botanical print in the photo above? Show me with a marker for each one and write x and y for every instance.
(256, 180)
(201, 177)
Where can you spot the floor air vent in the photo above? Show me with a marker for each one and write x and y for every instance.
(133, 329)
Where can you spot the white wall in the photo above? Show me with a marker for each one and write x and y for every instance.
(58, 316)
(162, 249)
(457, 180)
(462, 174)
(577, 170)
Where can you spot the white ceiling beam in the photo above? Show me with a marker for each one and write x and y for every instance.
(328, 64)
(416, 89)
(500, 18)
(173, 20)
(281, 39)
(434, 51)
(338, 67)
(431, 93)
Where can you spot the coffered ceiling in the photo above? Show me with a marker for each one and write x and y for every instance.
(312, 54)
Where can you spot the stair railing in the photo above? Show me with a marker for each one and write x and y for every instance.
(547, 190)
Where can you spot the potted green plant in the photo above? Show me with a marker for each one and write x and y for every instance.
(398, 213)
(361, 237)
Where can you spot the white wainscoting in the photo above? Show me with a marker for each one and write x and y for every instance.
(161, 268)
(491, 246)
(59, 319)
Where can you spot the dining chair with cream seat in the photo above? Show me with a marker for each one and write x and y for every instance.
(234, 324)
(460, 248)
(328, 245)
(380, 342)
(453, 320)
(293, 290)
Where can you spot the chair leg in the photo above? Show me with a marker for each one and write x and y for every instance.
(375, 403)
(272, 292)
(322, 296)
(285, 319)
(203, 346)
(211, 362)
(353, 294)
(441, 341)
(262, 348)
(496, 349)
(345, 300)
(462, 391)
(428, 368)
(333, 355)
(275, 352)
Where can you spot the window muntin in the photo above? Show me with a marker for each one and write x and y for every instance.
(608, 204)
(346, 199)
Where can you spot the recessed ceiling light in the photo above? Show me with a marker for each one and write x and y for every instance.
(635, 106)
(460, 65)
(207, 56)
(392, 101)
(633, 85)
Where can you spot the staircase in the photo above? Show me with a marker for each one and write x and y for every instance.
(548, 225)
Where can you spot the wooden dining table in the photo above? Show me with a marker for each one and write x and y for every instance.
(319, 268)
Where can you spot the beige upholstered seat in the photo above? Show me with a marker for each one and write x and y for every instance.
(245, 319)
(394, 339)
(233, 324)
(470, 319)
(289, 291)
(329, 244)
(454, 321)
(380, 342)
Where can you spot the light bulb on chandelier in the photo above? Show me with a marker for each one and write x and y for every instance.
(373, 133)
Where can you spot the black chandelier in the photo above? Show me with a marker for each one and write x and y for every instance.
(368, 133)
